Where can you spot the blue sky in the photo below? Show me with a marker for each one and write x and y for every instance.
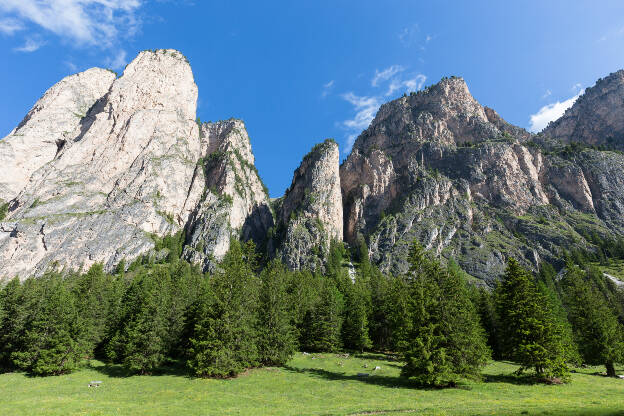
(300, 71)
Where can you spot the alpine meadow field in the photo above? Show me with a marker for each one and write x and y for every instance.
(315, 384)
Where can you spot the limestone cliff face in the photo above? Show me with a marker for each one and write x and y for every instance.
(597, 116)
(438, 167)
(235, 202)
(309, 215)
(54, 120)
(116, 161)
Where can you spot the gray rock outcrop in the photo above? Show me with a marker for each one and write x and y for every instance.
(125, 170)
(438, 167)
(235, 202)
(597, 116)
(309, 215)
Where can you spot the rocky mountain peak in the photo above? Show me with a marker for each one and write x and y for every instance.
(310, 213)
(597, 116)
(54, 120)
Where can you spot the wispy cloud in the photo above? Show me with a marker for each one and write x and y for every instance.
(327, 88)
(386, 74)
(82, 22)
(409, 35)
(365, 106)
(118, 61)
(547, 94)
(551, 112)
(9, 26)
(72, 66)
(30, 45)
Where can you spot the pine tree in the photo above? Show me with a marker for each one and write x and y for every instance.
(12, 322)
(51, 341)
(529, 332)
(277, 335)
(443, 339)
(355, 331)
(380, 312)
(322, 325)
(139, 342)
(93, 292)
(599, 335)
(486, 308)
(224, 342)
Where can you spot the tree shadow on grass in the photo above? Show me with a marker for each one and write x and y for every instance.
(119, 371)
(523, 380)
(378, 380)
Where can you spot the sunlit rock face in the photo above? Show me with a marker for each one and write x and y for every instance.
(437, 167)
(103, 165)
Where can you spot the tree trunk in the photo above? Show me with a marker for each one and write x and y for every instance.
(610, 369)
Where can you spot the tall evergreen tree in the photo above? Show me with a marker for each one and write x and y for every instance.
(599, 335)
(355, 326)
(12, 322)
(139, 342)
(277, 341)
(224, 342)
(322, 325)
(530, 334)
(486, 308)
(51, 340)
(444, 340)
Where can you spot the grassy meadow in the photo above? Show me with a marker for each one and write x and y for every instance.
(316, 384)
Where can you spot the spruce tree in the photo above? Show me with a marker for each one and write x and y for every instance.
(322, 325)
(442, 340)
(51, 340)
(530, 334)
(224, 342)
(139, 342)
(486, 308)
(277, 341)
(599, 335)
(380, 312)
(12, 322)
(355, 331)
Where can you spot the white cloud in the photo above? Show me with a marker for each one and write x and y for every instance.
(386, 74)
(9, 26)
(409, 35)
(414, 84)
(327, 88)
(31, 45)
(118, 61)
(72, 66)
(547, 94)
(551, 112)
(366, 106)
(83, 22)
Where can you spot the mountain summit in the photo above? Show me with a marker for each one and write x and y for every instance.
(103, 168)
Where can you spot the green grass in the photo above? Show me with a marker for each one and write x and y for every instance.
(615, 268)
(324, 385)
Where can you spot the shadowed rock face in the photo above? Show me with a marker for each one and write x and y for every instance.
(235, 202)
(310, 213)
(597, 116)
(127, 169)
(438, 167)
